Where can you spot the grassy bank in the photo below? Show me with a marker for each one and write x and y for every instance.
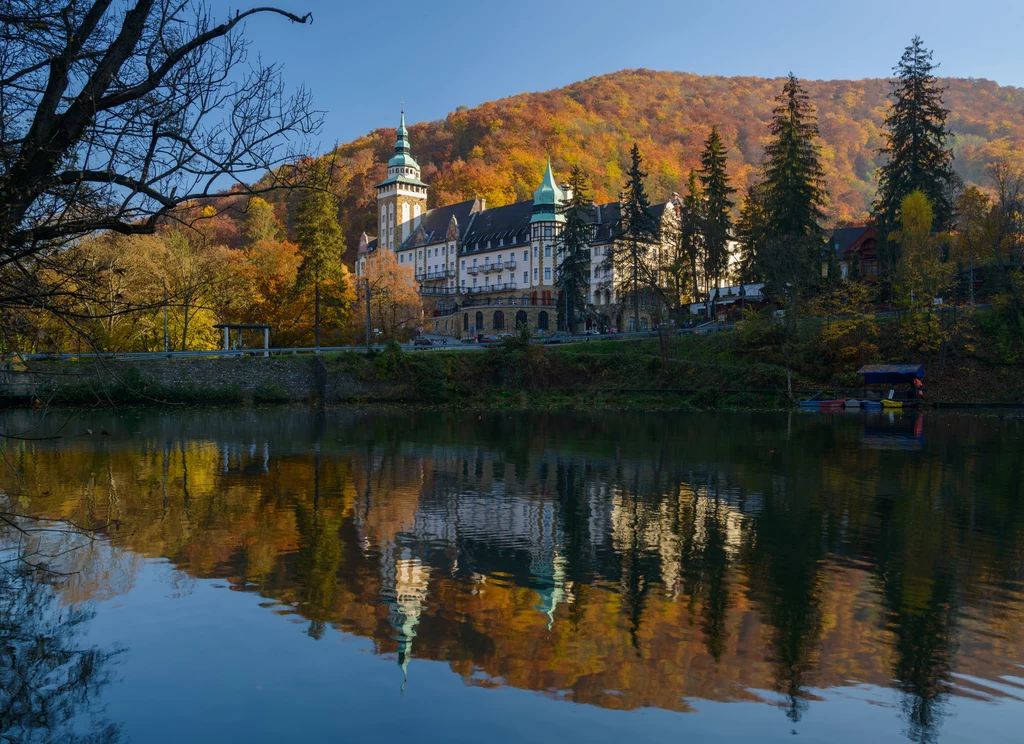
(965, 357)
(971, 358)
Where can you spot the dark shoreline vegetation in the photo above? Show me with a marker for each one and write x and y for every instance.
(968, 358)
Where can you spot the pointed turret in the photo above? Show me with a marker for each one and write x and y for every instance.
(403, 153)
(548, 199)
(402, 196)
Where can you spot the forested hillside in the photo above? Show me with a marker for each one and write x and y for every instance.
(497, 150)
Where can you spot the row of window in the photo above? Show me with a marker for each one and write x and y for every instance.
(522, 320)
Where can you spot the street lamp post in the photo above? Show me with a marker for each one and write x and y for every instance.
(367, 280)
(164, 280)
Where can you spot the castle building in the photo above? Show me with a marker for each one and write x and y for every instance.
(492, 270)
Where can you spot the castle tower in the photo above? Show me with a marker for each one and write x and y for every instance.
(402, 197)
(545, 227)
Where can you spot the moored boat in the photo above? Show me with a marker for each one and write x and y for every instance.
(833, 403)
(810, 403)
(873, 405)
(892, 403)
(853, 403)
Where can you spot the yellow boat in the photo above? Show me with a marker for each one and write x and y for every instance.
(892, 403)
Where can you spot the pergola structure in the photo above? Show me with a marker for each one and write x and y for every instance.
(239, 327)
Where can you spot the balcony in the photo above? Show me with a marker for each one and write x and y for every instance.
(433, 275)
(500, 266)
(473, 269)
(502, 287)
(439, 291)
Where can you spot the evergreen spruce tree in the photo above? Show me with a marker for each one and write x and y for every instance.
(916, 135)
(717, 217)
(794, 186)
(750, 233)
(793, 194)
(691, 234)
(321, 242)
(574, 250)
(639, 232)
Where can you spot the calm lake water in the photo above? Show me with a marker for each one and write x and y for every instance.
(293, 575)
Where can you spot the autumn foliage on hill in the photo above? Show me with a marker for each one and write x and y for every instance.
(497, 150)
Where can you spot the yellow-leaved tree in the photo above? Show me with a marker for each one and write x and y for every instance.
(395, 306)
(922, 274)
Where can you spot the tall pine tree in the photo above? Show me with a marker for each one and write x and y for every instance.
(794, 185)
(717, 222)
(750, 233)
(574, 250)
(916, 135)
(321, 242)
(691, 233)
(639, 232)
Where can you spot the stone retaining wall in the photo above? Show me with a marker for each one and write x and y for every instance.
(299, 378)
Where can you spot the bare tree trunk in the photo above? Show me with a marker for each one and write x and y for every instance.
(636, 289)
(316, 315)
(184, 325)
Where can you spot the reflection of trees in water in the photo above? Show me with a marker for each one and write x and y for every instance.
(319, 556)
(394, 525)
(714, 568)
(783, 555)
(919, 592)
(49, 680)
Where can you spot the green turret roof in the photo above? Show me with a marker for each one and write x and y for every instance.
(548, 199)
(402, 159)
(548, 191)
(403, 153)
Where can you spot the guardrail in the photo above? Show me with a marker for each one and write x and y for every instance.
(292, 351)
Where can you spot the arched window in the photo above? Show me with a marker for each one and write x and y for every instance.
(522, 319)
(440, 305)
(499, 320)
(479, 322)
(526, 299)
(542, 321)
(465, 321)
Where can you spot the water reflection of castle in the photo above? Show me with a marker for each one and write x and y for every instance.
(478, 517)
(675, 560)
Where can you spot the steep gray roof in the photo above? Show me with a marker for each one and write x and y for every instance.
(509, 224)
(434, 226)
(844, 237)
(608, 218)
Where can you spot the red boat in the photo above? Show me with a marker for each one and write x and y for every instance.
(833, 404)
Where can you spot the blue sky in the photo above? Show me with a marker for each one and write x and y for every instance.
(362, 58)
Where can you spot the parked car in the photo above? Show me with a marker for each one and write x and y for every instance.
(557, 338)
(592, 332)
(422, 342)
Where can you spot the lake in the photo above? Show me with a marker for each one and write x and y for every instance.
(289, 574)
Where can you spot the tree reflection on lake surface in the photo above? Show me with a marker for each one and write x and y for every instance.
(856, 575)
